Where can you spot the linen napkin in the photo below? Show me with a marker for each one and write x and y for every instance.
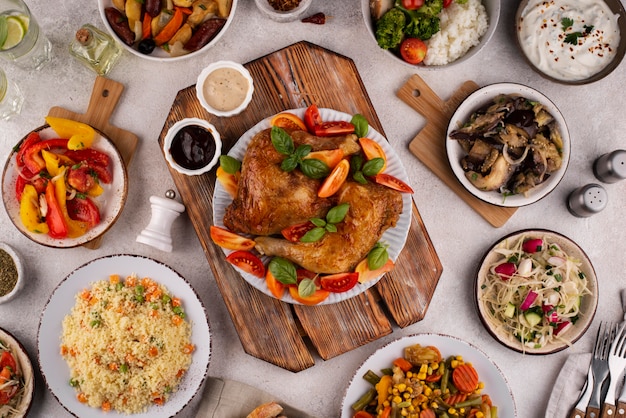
(568, 385)
(224, 398)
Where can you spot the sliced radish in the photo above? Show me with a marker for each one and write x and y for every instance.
(561, 326)
(505, 270)
(532, 245)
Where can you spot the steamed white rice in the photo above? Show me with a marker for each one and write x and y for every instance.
(462, 26)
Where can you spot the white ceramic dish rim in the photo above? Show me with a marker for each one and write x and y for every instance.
(215, 66)
(167, 142)
(54, 368)
(20, 272)
(474, 102)
(496, 384)
(493, 10)
(159, 55)
(589, 304)
(395, 237)
(111, 202)
(25, 364)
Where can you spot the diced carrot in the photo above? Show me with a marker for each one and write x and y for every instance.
(157, 399)
(456, 398)
(386, 412)
(176, 302)
(114, 278)
(106, 406)
(154, 313)
(403, 364)
(146, 282)
(180, 373)
(131, 281)
(177, 320)
(113, 366)
(64, 350)
(85, 295)
(465, 378)
(189, 348)
(486, 399)
(434, 377)
(153, 351)
(363, 414)
(82, 398)
(427, 413)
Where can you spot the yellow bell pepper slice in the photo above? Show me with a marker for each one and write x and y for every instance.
(74, 228)
(95, 191)
(382, 388)
(29, 211)
(54, 162)
(80, 134)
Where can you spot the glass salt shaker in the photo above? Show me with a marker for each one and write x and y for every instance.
(95, 49)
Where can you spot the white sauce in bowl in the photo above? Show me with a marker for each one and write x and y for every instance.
(225, 89)
(569, 40)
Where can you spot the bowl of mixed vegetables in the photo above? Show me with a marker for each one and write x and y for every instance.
(431, 34)
(536, 291)
(16, 374)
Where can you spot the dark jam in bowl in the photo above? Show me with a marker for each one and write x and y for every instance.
(193, 147)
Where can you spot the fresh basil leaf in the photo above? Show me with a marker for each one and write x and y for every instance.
(373, 166)
(229, 164)
(360, 125)
(303, 150)
(306, 288)
(282, 141)
(356, 163)
(377, 257)
(313, 235)
(290, 163)
(359, 177)
(314, 168)
(283, 270)
(336, 214)
(330, 228)
(318, 222)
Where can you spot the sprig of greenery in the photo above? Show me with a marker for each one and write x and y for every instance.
(334, 216)
(360, 170)
(572, 37)
(566, 23)
(378, 256)
(285, 272)
(229, 164)
(311, 167)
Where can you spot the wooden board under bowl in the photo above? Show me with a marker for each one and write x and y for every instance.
(271, 330)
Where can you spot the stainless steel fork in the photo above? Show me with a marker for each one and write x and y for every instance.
(617, 364)
(600, 367)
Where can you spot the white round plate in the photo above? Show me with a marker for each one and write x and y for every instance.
(395, 237)
(455, 152)
(159, 55)
(496, 385)
(26, 367)
(110, 202)
(54, 368)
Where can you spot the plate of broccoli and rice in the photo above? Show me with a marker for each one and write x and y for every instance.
(431, 33)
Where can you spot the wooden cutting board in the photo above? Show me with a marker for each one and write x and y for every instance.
(271, 330)
(104, 97)
(429, 144)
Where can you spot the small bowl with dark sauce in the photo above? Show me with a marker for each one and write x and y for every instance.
(192, 146)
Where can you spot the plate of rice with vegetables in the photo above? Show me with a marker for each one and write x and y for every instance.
(124, 335)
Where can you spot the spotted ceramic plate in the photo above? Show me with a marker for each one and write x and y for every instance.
(395, 237)
(110, 202)
(496, 385)
(55, 370)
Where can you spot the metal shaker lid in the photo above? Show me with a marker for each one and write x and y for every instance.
(587, 200)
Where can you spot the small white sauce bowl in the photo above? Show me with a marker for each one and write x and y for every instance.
(20, 273)
(202, 79)
(296, 13)
(171, 133)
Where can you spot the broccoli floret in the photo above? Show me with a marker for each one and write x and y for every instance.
(389, 28)
(431, 7)
(422, 26)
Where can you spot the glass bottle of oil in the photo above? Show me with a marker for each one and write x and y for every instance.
(95, 49)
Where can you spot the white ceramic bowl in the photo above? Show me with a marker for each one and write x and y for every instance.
(455, 152)
(159, 54)
(26, 367)
(616, 7)
(588, 304)
(171, 133)
(493, 12)
(296, 13)
(202, 79)
(19, 266)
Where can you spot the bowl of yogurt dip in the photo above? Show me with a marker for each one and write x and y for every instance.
(572, 41)
(224, 88)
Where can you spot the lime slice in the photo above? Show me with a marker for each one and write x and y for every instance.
(3, 30)
(15, 32)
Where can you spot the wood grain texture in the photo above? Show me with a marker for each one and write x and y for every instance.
(104, 98)
(429, 144)
(295, 77)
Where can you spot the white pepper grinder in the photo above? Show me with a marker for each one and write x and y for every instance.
(164, 212)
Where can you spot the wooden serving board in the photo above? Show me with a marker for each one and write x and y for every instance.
(104, 97)
(429, 144)
(271, 330)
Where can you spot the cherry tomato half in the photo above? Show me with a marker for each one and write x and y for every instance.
(247, 262)
(288, 121)
(413, 50)
(392, 182)
(330, 157)
(446, 3)
(341, 282)
(293, 233)
(333, 128)
(412, 4)
(226, 239)
(312, 117)
(7, 359)
(372, 149)
(336, 178)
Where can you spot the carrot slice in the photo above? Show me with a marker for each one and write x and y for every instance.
(403, 364)
(334, 181)
(427, 413)
(456, 398)
(465, 378)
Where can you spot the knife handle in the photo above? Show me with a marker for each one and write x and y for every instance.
(620, 411)
(576, 413)
(592, 412)
(608, 410)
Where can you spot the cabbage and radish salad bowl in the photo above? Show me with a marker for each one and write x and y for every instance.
(536, 291)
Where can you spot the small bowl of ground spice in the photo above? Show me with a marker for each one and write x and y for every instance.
(283, 10)
(11, 273)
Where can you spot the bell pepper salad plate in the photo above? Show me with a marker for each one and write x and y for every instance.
(389, 245)
(64, 186)
(427, 369)
(139, 318)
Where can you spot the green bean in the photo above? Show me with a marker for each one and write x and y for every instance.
(371, 377)
(444, 378)
(470, 402)
(364, 400)
(387, 371)
(494, 412)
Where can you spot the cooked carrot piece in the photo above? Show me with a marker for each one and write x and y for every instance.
(403, 364)
(456, 398)
(465, 378)
(82, 398)
(106, 406)
(427, 413)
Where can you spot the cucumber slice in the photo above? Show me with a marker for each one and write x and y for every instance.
(510, 310)
(533, 318)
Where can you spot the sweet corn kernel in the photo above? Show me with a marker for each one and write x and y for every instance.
(397, 399)
(409, 375)
(409, 389)
(423, 368)
(435, 366)
(480, 415)
(434, 405)
(481, 385)
(451, 411)
(406, 395)
(401, 387)
(454, 364)
(428, 391)
(404, 413)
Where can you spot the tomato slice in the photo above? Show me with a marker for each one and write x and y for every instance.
(276, 288)
(98, 161)
(84, 210)
(334, 128)
(288, 121)
(230, 182)
(30, 140)
(366, 275)
(7, 359)
(319, 296)
(392, 182)
(293, 233)
(247, 262)
(335, 179)
(341, 282)
(412, 4)
(330, 157)
(446, 3)
(372, 149)
(227, 239)
(312, 117)
(413, 50)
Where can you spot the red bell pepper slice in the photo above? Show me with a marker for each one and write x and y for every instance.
(333, 128)
(32, 138)
(54, 217)
(97, 160)
(32, 155)
(25, 178)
